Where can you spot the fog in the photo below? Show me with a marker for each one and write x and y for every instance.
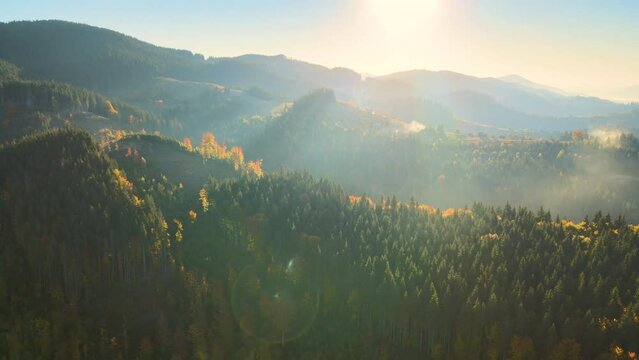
(572, 179)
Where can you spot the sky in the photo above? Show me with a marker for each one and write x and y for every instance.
(585, 47)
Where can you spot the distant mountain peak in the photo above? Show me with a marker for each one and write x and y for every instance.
(515, 78)
(520, 80)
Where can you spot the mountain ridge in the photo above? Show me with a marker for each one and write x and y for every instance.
(110, 62)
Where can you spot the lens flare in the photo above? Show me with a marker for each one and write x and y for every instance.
(276, 301)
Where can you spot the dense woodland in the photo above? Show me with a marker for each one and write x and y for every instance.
(121, 60)
(28, 106)
(8, 71)
(272, 265)
(571, 174)
(148, 212)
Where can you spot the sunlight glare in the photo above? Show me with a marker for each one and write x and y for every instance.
(404, 16)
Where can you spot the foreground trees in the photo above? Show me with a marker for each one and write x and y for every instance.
(287, 266)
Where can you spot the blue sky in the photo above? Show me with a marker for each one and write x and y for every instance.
(582, 46)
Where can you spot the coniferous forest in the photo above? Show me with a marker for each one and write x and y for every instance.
(157, 204)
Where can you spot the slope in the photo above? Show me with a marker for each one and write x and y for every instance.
(74, 246)
(522, 98)
(28, 106)
(105, 60)
(302, 259)
(317, 130)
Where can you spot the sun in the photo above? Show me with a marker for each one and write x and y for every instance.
(404, 16)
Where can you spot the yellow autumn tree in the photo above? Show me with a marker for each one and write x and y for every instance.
(108, 108)
(207, 144)
(187, 144)
(209, 147)
(254, 167)
(121, 179)
(237, 155)
(179, 230)
(448, 212)
(119, 135)
(137, 201)
(204, 199)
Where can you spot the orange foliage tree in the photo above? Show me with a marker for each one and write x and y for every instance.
(254, 167)
(209, 147)
(192, 215)
(121, 179)
(187, 144)
(578, 135)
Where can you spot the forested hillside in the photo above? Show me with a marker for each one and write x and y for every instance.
(404, 281)
(88, 56)
(193, 108)
(28, 106)
(106, 60)
(79, 251)
(286, 259)
(155, 204)
(376, 155)
(119, 65)
(91, 267)
(173, 173)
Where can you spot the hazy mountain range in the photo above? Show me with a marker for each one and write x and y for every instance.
(156, 204)
(130, 70)
(630, 93)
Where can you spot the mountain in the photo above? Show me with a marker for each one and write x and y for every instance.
(362, 259)
(314, 129)
(28, 106)
(390, 240)
(349, 141)
(630, 94)
(342, 80)
(373, 154)
(64, 171)
(105, 60)
(525, 99)
(268, 265)
(197, 107)
(520, 80)
(88, 56)
(155, 157)
(489, 104)
(78, 248)
(74, 52)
